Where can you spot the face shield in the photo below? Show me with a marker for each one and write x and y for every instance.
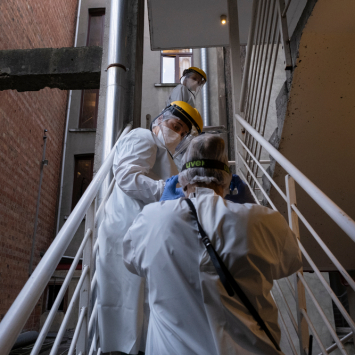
(185, 142)
(193, 81)
(183, 123)
(171, 130)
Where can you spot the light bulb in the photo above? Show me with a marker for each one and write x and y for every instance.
(223, 19)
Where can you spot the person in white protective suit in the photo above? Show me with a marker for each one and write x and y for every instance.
(191, 83)
(143, 160)
(190, 310)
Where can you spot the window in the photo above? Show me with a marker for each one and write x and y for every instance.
(82, 176)
(173, 63)
(50, 295)
(90, 98)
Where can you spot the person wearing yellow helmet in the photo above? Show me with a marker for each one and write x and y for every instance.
(142, 163)
(191, 83)
(178, 122)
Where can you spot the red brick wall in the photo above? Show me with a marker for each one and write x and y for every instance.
(23, 117)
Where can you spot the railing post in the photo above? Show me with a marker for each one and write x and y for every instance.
(303, 333)
(85, 300)
(236, 73)
(284, 34)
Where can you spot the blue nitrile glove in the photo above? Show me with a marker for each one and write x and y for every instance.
(171, 192)
(244, 195)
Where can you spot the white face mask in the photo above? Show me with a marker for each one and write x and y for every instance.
(191, 84)
(169, 138)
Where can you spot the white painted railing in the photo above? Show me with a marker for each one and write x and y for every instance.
(268, 31)
(267, 35)
(334, 212)
(17, 315)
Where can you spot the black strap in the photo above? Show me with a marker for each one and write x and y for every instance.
(227, 279)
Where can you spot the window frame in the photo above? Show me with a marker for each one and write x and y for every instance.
(81, 117)
(94, 12)
(46, 295)
(76, 159)
(177, 56)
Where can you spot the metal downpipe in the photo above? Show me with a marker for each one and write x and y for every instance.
(66, 128)
(116, 81)
(205, 91)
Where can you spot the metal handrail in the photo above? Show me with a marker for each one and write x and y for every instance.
(83, 313)
(248, 55)
(334, 212)
(58, 300)
(330, 255)
(20, 310)
(338, 341)
(322, 314)
(343, 221)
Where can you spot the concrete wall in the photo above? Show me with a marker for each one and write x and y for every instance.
(23, 117)
(318, 133)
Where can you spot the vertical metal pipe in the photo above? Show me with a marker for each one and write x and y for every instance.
(254, 13)
(43, 163)
(66, 128)
(205, 91)
(116, 77)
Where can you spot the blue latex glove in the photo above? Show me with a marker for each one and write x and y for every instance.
(171, 192)
(244, 195)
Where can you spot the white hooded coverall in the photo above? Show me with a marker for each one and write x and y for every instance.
(181, 93)
(190, 311)
(141, 164)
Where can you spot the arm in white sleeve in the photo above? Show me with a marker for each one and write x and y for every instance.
(134, 158)
(129, 254)
(134, 241)
(290, 258)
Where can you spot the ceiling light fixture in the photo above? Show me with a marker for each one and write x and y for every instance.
(223, 19)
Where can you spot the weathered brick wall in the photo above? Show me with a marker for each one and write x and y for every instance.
(23, 117)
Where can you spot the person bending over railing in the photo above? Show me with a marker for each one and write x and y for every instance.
(193, 268)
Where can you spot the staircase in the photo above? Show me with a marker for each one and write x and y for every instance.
(301, 310)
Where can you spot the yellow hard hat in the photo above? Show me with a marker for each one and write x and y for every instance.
(199, 71)
(187, 113)
(196, 70)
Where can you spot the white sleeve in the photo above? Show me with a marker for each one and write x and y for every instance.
(135, 156)
(134, 243)
(290, 258)
(129, 253)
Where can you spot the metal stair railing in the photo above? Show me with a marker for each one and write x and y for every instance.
(268, 35)
(17, 315)
(268, 32)
(294, 214)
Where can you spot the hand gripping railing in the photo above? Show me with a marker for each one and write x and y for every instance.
(334, 212)
(17, 315)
